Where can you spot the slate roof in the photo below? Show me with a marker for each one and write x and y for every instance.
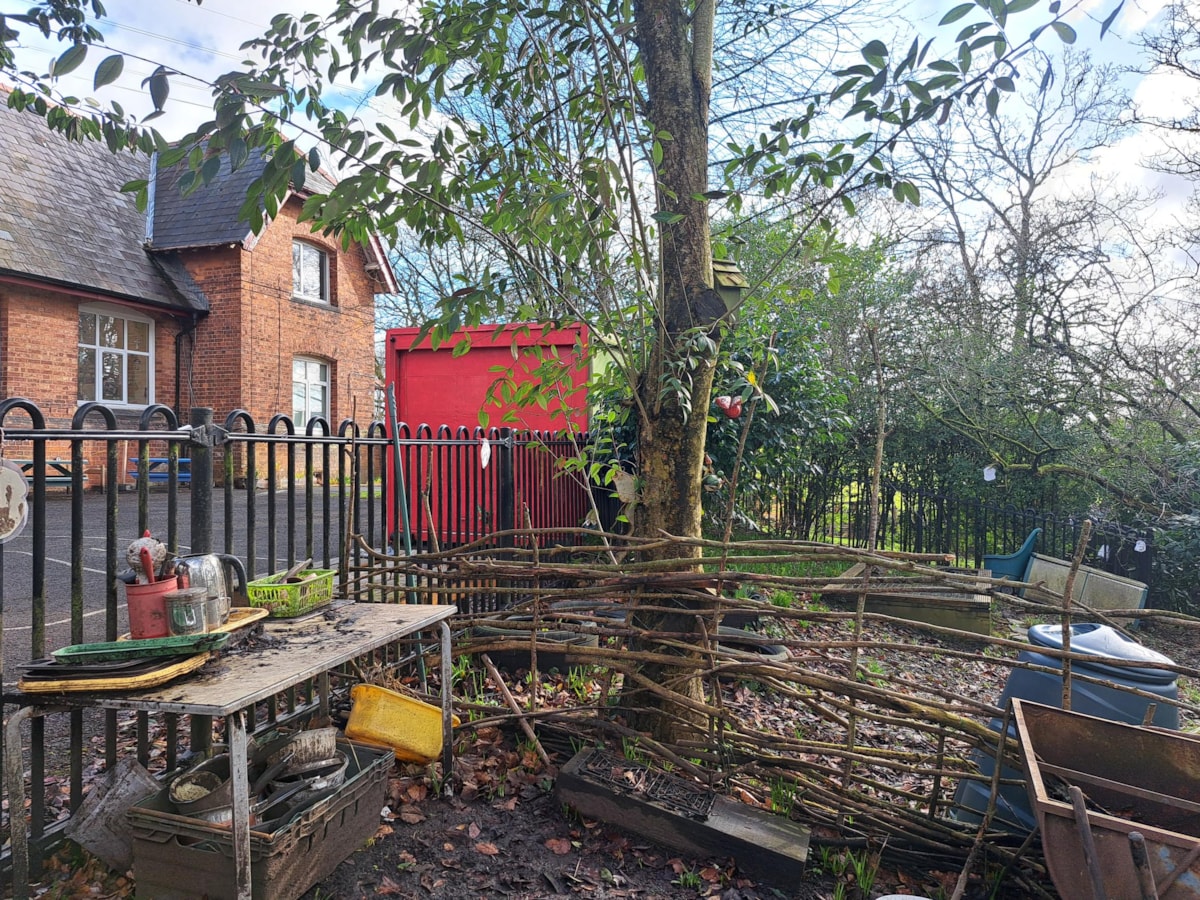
(208, 216)
(63, 218)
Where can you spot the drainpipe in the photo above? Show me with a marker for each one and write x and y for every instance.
(189, 330)
(151, 184)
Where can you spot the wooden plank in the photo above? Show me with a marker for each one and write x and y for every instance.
(944, 605)
(763, 844)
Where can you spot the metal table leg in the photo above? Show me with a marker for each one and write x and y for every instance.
(235, 725)
(14, 767)
(447, 712)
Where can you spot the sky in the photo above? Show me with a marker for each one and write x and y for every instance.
(201, 41)
(204, 41)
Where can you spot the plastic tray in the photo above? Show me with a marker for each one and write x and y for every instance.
(179, 645)
(385, 718)
(287, 600)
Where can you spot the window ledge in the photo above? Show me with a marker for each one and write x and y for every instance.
(312, 301)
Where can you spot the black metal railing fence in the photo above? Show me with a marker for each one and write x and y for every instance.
(269, 493)
(920, 520)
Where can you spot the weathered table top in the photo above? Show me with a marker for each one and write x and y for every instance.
(290, 654)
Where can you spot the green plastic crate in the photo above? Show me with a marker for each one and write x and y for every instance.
(286, 600)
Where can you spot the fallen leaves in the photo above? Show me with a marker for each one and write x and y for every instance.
(559, 846)
(487, 848)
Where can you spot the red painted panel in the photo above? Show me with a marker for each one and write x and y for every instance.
(435, 387)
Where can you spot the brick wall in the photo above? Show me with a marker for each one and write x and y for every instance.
(39, 350)
(244, 349)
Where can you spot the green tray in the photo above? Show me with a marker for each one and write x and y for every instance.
(180, 645)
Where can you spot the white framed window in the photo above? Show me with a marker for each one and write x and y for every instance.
(116, 357)
(310, 272)
(310, 390)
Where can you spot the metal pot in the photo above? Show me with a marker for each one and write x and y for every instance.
(314, 779)
(216, 573)
(186, 611)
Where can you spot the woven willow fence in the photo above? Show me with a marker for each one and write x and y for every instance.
(863, 731)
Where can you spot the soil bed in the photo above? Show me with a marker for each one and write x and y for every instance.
(505, 833)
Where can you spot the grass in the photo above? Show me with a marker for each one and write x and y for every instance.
(783, 796)
(855, 871)
(690, 879)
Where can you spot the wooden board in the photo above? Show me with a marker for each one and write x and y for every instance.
(296, 652)
(239, 617)
(153, 679)
(764, 844)
(934, 604)
(1093, 587)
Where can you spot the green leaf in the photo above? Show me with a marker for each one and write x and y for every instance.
(314, 158)
(1064, 31)
(1112, 17)
(160, 88)
(108, 71)
(69, 61)
(1005, 83)
(993, 101)
(1020, 6)
(1047, 79)
(668, 218)
(238, 153)
(210, 169)
(957, 13)
(919, 91)
(848, 205)
(299, 169)
(875, 53)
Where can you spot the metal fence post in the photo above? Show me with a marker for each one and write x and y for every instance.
(506, 490)
(201, 420)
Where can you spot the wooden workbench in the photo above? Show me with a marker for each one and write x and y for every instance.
(230, 689)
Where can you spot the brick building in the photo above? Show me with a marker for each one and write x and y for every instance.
(181, 305)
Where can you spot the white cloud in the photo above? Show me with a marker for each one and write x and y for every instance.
(200, 42)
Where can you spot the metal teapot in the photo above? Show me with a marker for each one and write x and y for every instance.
(220, 574)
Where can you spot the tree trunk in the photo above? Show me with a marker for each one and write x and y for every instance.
(676, 48)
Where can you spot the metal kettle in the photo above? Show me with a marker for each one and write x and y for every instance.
(219, 573)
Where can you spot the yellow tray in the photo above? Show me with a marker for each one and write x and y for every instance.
(239, 617)
(117, 683)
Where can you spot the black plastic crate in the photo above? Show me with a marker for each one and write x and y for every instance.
(180, 858)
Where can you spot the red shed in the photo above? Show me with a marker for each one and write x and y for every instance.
(451, 485)
(436, 387)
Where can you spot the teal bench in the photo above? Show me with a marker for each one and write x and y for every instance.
(1012, 565)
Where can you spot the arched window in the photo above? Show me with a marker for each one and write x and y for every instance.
(116, 356)
(310, 390)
